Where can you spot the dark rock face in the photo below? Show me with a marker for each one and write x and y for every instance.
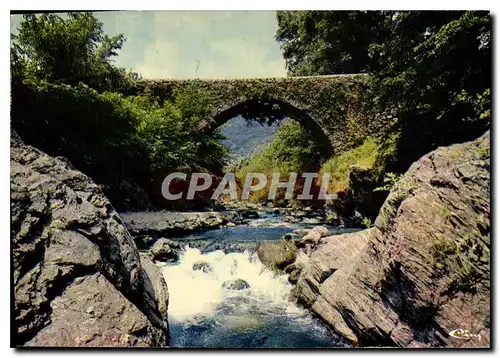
(249, 214)
(144, 242)
(202, 266)
(293, 272)
(78, 278)
(165, 250)
(364, 200)
(423, 270)
(291, 236)
(236, 285)
(359, 200)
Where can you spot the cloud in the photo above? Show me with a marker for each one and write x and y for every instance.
(212, 44)
(195, 44)
(229, 57)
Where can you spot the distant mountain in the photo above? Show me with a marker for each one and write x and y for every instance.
(245, 138)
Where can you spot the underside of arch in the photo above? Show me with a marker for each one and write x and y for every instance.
(267, 112)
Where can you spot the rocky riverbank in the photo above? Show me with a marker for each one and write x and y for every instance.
(148, 227)
(421, 276)
(78, 277)
(171, 223)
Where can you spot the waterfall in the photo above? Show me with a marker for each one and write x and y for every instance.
(195, 294)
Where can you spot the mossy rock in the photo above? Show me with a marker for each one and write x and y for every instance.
(277, 256)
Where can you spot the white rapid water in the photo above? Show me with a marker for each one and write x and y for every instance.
(204, 314)
(195, 295)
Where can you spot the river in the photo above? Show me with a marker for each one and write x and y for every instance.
(204, 314)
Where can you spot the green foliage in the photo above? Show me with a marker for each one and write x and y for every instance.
(389, 181)
(111, 137)
(292, 150)
(95, 131)
(364, 156)
(170, 131)
(65, 101)
(325, 42)
(433, 66)
(438, 72)
(68, 50)
(367, 222)
(467, 260)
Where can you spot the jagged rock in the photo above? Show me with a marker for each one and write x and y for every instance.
(293, 272)
(333, 253)
(423, 270)
(294, 277)
(91, 312)
(202, 266)
(362, 182)
(236, 285)
(78, 279)
(165, 250)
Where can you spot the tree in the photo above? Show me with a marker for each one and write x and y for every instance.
(67, 50)
(68, 100)
(433, 66)
(436, 68)
(326, 42)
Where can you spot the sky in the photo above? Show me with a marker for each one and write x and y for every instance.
(195, 44)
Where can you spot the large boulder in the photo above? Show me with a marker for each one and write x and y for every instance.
(277, 255)
(77, 275)
(422, 272)
(155, 285)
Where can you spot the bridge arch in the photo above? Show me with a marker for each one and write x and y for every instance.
(268, 111)
(337, 106)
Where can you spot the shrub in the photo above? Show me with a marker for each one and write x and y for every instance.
(364, 156)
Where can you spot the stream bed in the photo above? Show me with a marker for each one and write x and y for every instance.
(221, 296)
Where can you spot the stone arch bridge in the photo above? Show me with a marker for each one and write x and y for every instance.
(336, 109)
